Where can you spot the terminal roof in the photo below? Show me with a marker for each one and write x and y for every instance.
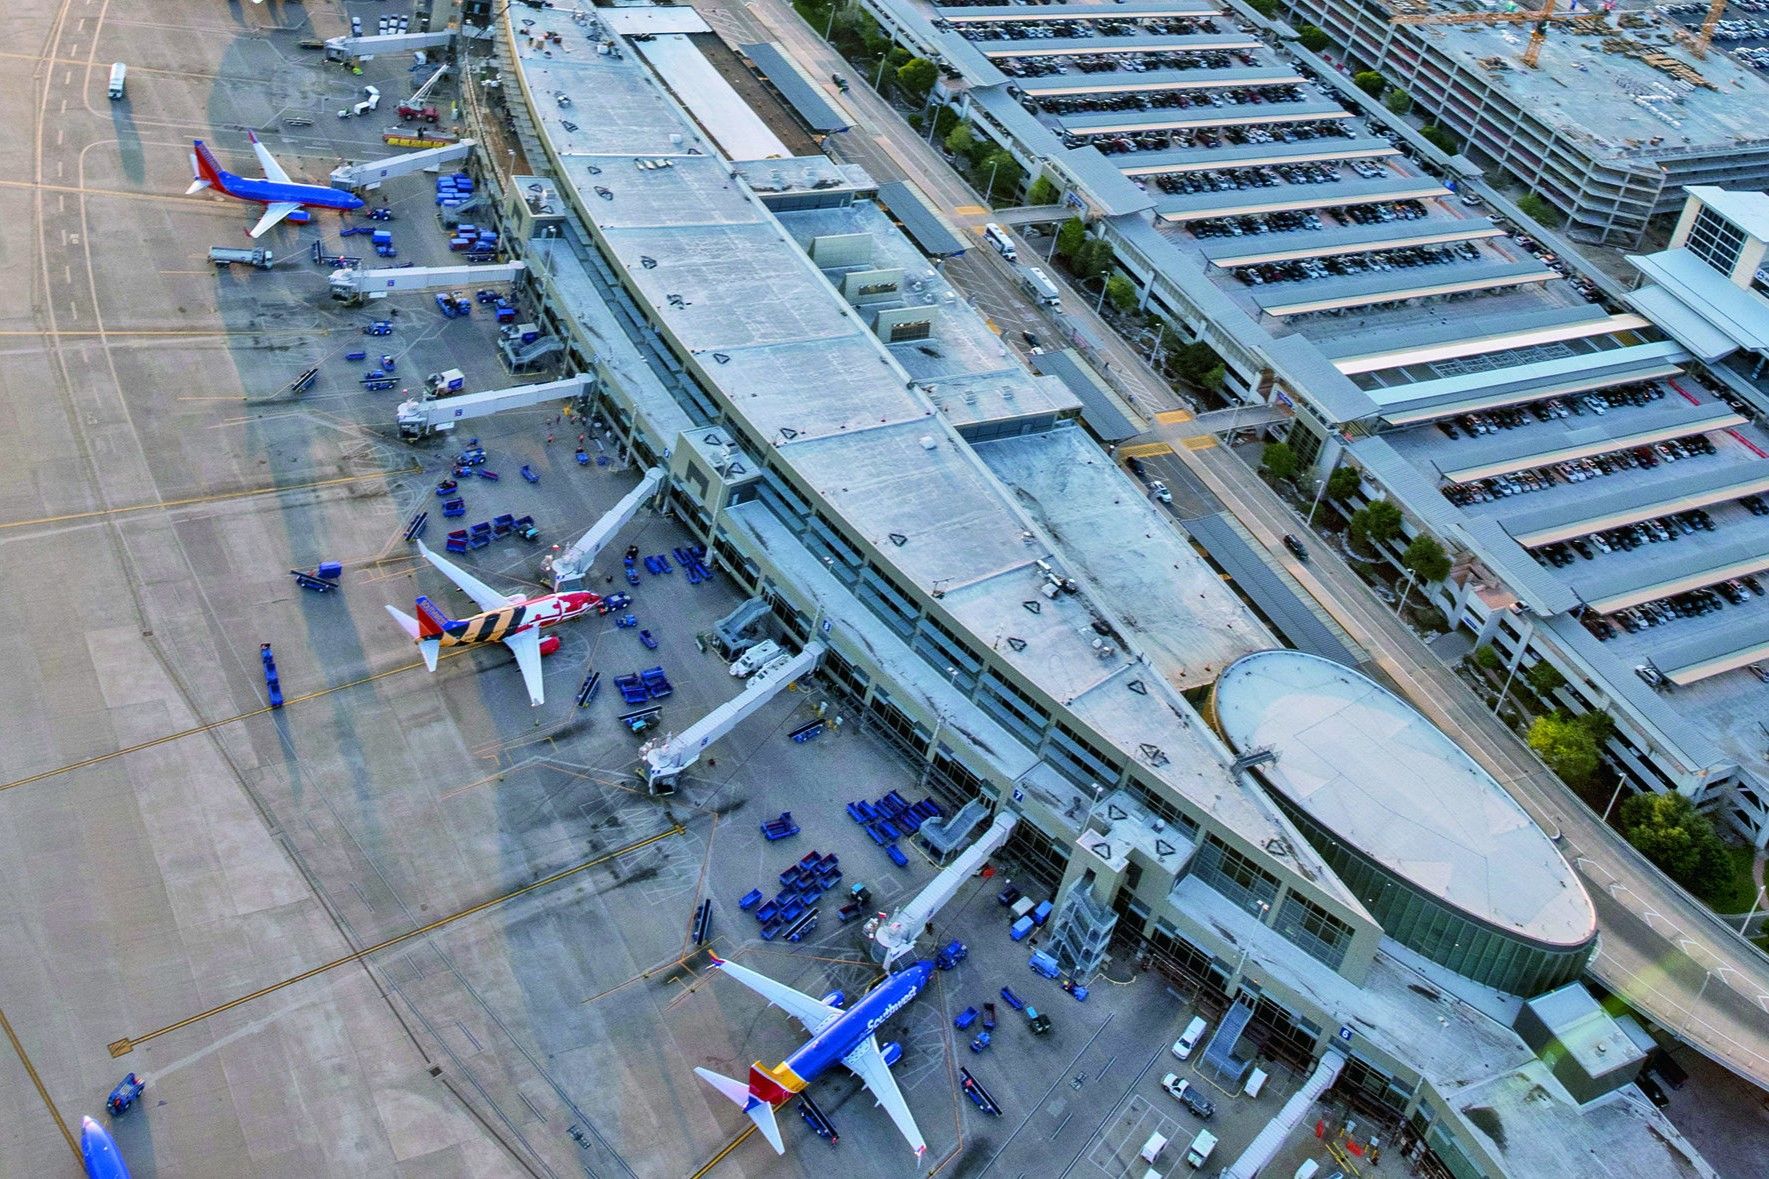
(1389, 785)
(802, 374)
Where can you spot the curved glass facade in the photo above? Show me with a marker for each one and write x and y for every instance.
(1423, 923)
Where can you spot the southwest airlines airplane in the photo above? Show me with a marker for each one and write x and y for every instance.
(281, 196)
(837, 1037)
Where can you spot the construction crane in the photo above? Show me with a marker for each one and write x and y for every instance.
(1699, 46)
(1533, 51)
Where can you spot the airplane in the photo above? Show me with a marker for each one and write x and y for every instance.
(837, 1036)
(511, 619)
(99, 1153)
(280, 196)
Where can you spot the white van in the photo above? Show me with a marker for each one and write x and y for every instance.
(1188, 1040)
(119, 73)
(1307, 1169)
(755, 657)
(1255, 1082)
(1198, 1153)
(1151, 1150)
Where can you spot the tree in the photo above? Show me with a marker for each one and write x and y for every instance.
(1442, 140)
(1042, 192)
(1195, 362)
(1266, 8)
(1001, 172)
(1544, 680)
(1568, 747)
(1426, 559)
(1371, 82)
(961, 140)
(1313, 38)
(1120, 292)
(1070, 236)
(917, 77)
(1398, 101)
(1343, 483)
(1214, 376)
(1488, 659)
(1537, 209)
(1278, 462)
(944, 120)
(1375, 522)
(1093, 258)
(1680, 840)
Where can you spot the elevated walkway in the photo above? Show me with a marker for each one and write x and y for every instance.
(1265, 1144)
(665, 762)
(371, 173)
(421, 417)
(895, 936)
(354, 284)
(568, 567)
(363, 48)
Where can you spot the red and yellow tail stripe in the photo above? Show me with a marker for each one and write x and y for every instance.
(776, 1085)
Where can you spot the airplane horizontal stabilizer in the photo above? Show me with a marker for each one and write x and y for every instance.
(760, 1112)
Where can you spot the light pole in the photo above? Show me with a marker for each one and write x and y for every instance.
(1318, 493)
(1617, 794)
(1505, 690)
(1407, 593)
(1099, 792)
(1707, 976)
(989, 192)
(1745, 925)
(882, 62)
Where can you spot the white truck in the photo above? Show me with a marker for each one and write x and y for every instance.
(119, 76)
(1198, 1153)
(755, 658)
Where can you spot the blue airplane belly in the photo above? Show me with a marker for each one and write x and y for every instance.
(829, 1046)
(270, 192)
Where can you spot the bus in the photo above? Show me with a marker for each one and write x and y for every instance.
(998, 238)
(1039, 286)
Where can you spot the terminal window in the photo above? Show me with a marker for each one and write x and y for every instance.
(1716, 241)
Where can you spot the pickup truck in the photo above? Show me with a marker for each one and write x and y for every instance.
(1187, 1094)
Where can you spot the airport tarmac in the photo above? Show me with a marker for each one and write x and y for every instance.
(175, 853)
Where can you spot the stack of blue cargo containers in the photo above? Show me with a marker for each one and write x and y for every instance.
(453, 189)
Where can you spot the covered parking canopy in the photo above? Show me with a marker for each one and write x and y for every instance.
(932, 232)
(817, 111)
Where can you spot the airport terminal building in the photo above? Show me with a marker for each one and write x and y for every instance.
(868, 461)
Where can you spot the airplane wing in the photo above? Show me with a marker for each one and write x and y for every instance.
(814, 1014)
(272, 214)
(868, 1063)
(483, 595)
(526, 645)
(272, 169)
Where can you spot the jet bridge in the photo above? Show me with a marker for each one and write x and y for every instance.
(665, 761)
(896, 934)
(372, 172)
(571, 565)
(363, 48)
(354, 284)
(422, 416)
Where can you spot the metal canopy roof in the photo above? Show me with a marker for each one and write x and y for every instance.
(1253, 248)
(1252, 155)
(1322, 294)
(1680, 576)
(1641, 500)
(816, 110)
(1465, 392)
(932, 232)
(1099, 122)
(1255, 577)
(1079, 84)
(1711, 655)
(1162, 43)
(1100, 413)
(1282, 197)
(1588, 438)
